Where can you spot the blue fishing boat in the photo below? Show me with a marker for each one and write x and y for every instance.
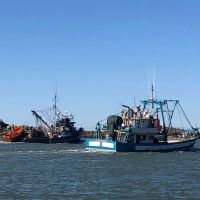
(146, 127)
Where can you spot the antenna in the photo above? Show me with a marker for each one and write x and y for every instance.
(55, 100)
(135, 101)
(55, 94)
(152, 92)
(152, 83)
(148, 79)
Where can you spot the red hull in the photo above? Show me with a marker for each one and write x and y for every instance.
(17, 135)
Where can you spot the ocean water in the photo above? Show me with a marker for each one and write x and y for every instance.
(67, 171)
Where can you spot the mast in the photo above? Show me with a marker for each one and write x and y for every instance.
(152, 95)
(151, 86)
(55, 100)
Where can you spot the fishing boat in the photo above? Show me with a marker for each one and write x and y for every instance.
(57, 128)
(146, 127)
(16, 135)
(3, 125)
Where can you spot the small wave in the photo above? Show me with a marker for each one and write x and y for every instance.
(3, 142)
(181, 152)
(90, 151)
(67, 151)
(196, 150)
(43, 152)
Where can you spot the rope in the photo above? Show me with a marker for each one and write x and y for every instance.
(179, 113)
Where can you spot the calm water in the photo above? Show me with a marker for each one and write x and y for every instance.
(42, 171)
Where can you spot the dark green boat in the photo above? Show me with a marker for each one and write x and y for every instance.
(60, 129)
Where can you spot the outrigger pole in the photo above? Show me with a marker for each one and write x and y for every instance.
(164, 125)
(186, 116)
(171, 116)
(40, 118)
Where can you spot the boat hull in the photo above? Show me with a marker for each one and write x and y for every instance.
(17, 135)
(73, 138)
(106, 145)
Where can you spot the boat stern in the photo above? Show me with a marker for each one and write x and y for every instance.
(101, 145)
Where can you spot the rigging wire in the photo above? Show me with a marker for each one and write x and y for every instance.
(28, 119)
(179, 113)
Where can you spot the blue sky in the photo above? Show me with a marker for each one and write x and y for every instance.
(98, 53)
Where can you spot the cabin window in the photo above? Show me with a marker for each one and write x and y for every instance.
(144, 137)
(137, 124)
(137, 139)
(151, 124)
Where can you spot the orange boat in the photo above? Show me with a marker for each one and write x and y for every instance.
(17, 135)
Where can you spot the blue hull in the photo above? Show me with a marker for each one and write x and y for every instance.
(106, 145)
